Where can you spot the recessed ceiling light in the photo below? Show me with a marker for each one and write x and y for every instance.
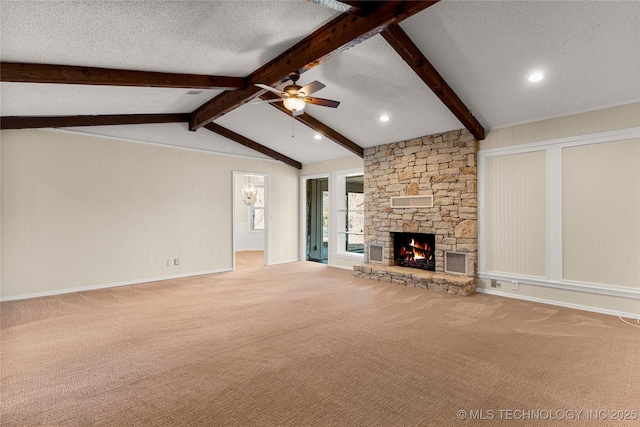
(317, 136)
(536, 77)
(384, 118)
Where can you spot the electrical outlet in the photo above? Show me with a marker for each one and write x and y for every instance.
(515, 286)
(176, 261)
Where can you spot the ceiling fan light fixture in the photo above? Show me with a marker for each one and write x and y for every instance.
(294, 104)
(536, 76)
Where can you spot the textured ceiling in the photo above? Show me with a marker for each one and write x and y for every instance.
(485, 50)
(202, 37)
(588, 50)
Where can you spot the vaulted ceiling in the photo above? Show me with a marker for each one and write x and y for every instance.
(183, 72)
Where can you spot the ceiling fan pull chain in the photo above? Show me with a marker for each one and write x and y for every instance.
(293, 125)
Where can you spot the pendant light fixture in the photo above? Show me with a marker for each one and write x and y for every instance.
(249, 193)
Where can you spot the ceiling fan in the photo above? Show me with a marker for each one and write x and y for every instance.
(295, 97)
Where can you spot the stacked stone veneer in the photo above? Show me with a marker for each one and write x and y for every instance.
(443, 165)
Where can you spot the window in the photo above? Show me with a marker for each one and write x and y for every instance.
(257, 210)
(351, 216)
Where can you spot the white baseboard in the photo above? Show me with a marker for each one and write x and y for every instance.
(344, 267)
(560, 303)
(591, 288)
(110, 285)
(284, 262)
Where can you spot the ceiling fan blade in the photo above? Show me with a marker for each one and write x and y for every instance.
(322, 101)
(264, 101)
(311, 87)
(270, 89)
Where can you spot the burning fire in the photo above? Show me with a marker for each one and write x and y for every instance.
(418, 250)
(414, 250)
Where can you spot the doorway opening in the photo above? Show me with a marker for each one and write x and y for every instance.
(351, 216)
(317, 220)
(250, 225)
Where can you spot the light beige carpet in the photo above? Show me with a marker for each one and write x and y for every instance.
(303, 344)
(249, 259)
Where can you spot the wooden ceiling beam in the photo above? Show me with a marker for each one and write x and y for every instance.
(402, 44)
(229, 134)
(33, 122)
(319, 127)
(67, 74)
(343, 32)
(363, 8)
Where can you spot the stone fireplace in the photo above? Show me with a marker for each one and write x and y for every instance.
(440, 168)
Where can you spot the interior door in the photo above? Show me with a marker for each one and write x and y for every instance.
(318, 220)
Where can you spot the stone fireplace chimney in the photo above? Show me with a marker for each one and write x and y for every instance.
(443, 166)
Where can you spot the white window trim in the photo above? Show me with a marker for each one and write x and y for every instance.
(337, 199)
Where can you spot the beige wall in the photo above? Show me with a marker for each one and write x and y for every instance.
(81, 211)
(329, 166)
(601, 213)
(608, 119)
(515, 214)
(591, 164)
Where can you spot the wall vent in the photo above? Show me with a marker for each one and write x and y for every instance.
(455, 262)
(412, 201)
(375, 253)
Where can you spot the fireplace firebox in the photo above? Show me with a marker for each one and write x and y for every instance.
(415, 250)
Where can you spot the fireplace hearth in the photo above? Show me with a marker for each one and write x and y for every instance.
(414, 250)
